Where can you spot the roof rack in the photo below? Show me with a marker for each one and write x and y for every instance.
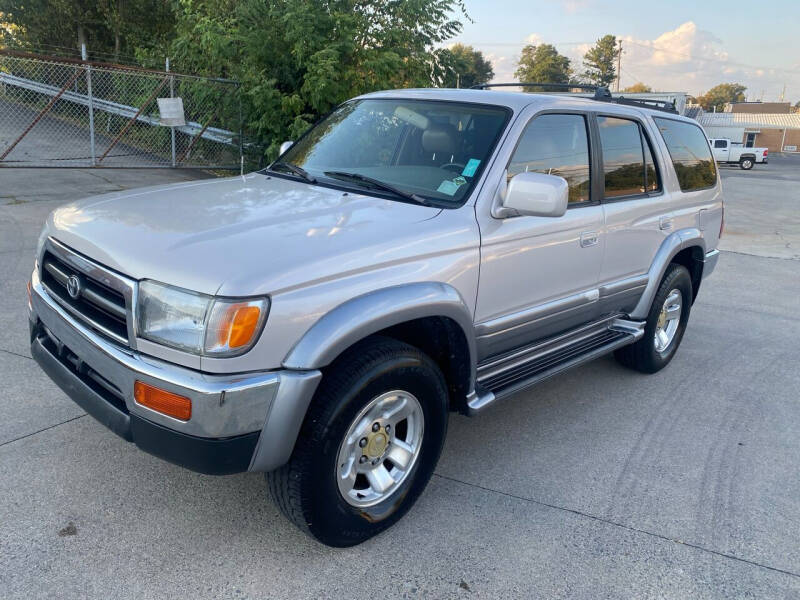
(601, 94)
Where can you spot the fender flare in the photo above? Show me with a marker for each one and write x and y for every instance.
(364, 315)
(675, 242)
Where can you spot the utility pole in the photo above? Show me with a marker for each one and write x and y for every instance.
(619, 63)
(783, 92)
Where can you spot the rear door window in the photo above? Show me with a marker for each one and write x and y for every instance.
(690, 154)
(623, 157)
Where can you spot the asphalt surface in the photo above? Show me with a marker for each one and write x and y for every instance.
(600, 483)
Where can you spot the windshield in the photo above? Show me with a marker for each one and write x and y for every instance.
(430, 150)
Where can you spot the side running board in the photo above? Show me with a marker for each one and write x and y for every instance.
(508, 373)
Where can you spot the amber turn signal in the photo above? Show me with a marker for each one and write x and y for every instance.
(238, 325)
(167, 403)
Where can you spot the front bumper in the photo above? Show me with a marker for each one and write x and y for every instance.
(239, 422)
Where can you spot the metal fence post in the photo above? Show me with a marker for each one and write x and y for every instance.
(84, 56)
(171, 95)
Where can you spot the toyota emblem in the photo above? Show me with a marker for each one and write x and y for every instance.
(74, 287)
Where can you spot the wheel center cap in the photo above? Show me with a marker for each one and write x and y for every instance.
(377, 444)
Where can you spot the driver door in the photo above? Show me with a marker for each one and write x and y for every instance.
(539, 275)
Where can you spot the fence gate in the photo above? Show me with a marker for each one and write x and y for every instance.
(57, 112)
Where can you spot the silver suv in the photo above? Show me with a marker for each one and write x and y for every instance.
(416, 252)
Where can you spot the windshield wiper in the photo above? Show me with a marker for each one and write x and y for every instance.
(377, 183)
(295, 170)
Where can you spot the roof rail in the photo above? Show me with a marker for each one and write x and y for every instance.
(601, 94)
(560, 86)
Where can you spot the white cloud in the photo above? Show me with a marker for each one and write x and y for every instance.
(573, 6)
(535, 39)
(686, 58)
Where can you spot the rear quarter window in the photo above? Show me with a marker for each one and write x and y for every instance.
(690, 154)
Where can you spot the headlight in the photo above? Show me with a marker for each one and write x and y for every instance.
(198, 323)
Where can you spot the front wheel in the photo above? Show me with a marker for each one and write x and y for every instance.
(665, 325)
(368, 445)
(746, 164)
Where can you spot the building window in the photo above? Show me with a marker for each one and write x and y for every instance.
(750, 139)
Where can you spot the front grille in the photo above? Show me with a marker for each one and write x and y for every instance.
(97, 305)
(101, 386)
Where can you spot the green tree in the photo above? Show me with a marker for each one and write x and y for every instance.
(638, 88)
(718, 96)
(109, 28)
(468, 67)
(600, 62)
(542, 64)
(297, 59)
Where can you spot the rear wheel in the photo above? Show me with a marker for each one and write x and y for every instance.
(368, 445)
(746, 164)
(665, 324)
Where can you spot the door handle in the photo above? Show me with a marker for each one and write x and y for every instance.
(588, 238)
(665, 223)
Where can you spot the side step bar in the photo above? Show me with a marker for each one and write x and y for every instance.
(511, 372)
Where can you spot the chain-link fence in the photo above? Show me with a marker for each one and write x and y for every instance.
(61, 112)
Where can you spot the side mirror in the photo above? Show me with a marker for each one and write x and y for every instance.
(536, 194)
(285, 146)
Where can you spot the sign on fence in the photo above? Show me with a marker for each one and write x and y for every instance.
(171, 111)
(790, 148)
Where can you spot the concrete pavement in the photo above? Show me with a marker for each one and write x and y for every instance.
(600, 483)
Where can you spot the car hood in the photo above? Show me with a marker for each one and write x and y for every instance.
(239, 235)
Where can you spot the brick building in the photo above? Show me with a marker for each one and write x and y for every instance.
(769, 125)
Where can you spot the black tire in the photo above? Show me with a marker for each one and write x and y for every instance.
(305, 489)
(643, 355)
(746, 163)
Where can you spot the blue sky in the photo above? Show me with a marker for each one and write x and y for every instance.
(674, 46)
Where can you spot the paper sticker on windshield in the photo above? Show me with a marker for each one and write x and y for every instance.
(471, 167)
(448, 187)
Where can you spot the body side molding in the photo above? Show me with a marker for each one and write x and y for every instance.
(675, 242)
(364, 315)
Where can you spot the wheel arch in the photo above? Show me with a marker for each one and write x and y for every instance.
(686, 247)
(429, 315)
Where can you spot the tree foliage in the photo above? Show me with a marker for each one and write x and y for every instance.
(600, 62)
(109, 28)
(718, 96)
(638, 88)
(542, 64)
(468, 67)
(297, 59)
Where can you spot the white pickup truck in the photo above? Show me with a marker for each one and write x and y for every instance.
(728, 152)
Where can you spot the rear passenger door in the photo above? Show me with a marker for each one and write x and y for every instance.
(636, 209)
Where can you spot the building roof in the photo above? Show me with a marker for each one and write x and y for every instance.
(693, 111)
(723, 119)
(759, 107)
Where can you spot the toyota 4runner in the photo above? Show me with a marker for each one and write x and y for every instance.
(414, 253)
